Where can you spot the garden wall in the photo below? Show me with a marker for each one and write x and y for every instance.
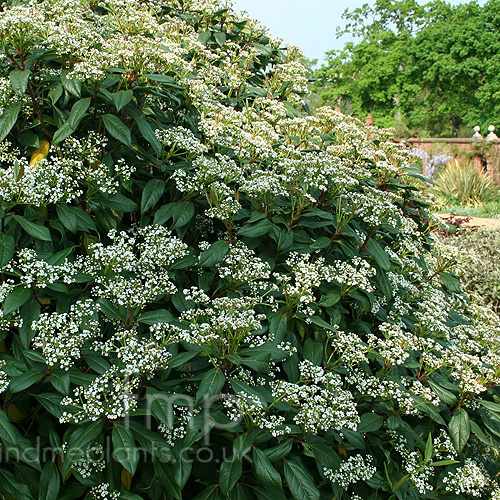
(485, 154)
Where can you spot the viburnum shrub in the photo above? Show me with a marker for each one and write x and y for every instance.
(209, 292)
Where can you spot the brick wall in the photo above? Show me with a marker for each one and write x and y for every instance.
(483, 154)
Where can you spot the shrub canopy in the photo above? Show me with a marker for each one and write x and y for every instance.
(209, 292)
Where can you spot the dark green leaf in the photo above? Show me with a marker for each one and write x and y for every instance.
(268, 494)
(279, 451)
(370, 422)
(478, 432)
(211, 384)
(21, 382)
(97, 363)
(321, 242)
(354, 438)
(152, 193)
(324, 454)
(209, 493)
(215, 254)
(220, 38)
(124, 449)
(62, 133)
(12, 486)
(56, 93)
(146, 130)
(60, 381)
(204, 37)
(7, 249)
(257, 230)
(450, 282)
(19, 80)
(459, 429)
(314, 351)
(118, 202)
(122, 98)
(75, 218)
(16, 299)
(51, 402)
(300, 482)
(72, 86)
(109, 309)
(160, 405)
(182, 213)
(383, 282)
(117, 129)
(444, 395)
(380, 256)
(50, 482)
(155, 317)
(165, 473)
(181, 359)
(330, 299)
(265, 471)
(230, 471)
(37, 231)
(9, 118)
(78, 111)
(429, 448)
(242, 445)
(8, 433)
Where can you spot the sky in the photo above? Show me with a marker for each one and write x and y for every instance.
(308, 23)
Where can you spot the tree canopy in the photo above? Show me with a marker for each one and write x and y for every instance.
(432, 69)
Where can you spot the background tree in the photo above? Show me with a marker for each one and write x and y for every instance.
(430, 69)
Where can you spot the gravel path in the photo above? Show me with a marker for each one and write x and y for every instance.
(474, 221)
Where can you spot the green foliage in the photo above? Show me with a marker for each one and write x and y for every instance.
(479, 251)
(489, 209)
(461, 183)
(208, 292)
(430, 69)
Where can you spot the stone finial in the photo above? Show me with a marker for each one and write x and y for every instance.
(491, 136)
(369, 119)
(477, 136)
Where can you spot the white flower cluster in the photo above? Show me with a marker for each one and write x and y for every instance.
(249, 406)
(221, 324)
(212, 177)
(91, 462)
(141, 356)
(61, 336)
(349, 347)
(102, 492)
(387, 390)
(4, 378)
(87, 167)
(352, 275)
(356, 468)
(181, 418)
(322, 403)
(181, 138)
(134, 269)
(419, 470)
(59, 178)
(35, 272)
(242, 267)
(307, 273)
(471, 479)
(49, 181)
(109, 395)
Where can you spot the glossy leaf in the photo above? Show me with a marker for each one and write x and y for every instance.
(300, 482)
(117, 129)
